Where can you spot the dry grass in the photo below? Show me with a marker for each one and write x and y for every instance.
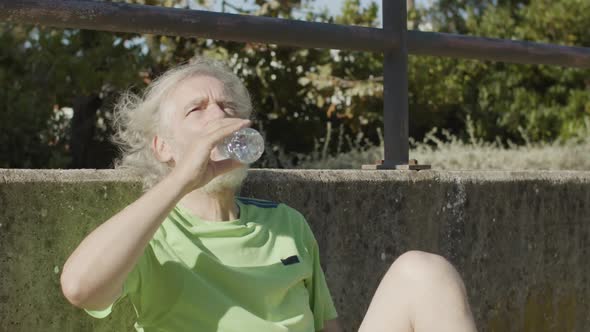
(451, 153)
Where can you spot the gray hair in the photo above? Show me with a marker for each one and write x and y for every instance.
(138, 118)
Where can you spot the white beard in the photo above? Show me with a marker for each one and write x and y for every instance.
(231, 180)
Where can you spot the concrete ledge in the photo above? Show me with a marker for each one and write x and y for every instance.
(345, 175)
(520, 239)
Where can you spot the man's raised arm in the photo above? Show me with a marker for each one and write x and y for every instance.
(94, 274)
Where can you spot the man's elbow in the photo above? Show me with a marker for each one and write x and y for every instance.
(71, 291)
(83, 299)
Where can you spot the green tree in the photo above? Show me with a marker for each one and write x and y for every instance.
(544, 102)
(44, 70)
(301, 96)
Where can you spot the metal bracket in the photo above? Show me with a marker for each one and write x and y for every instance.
(412, 165)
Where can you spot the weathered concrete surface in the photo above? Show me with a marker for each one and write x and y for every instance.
(520, 239)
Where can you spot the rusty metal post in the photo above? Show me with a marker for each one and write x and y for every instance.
(395, 91)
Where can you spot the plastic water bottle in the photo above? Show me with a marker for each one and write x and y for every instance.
(245, 145)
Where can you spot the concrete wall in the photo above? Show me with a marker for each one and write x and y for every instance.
(520, 239)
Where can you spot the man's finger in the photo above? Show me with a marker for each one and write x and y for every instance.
(216, 136)
(219, 124)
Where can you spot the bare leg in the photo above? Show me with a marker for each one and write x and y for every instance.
(420, 292)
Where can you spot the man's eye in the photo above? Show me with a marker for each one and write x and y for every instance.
(229, 108)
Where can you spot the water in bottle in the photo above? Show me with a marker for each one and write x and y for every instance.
(245, 145)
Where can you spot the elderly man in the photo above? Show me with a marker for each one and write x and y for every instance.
(193, 256)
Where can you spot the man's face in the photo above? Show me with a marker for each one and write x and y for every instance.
(186, 111)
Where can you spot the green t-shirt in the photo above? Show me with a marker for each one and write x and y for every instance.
(260, 272)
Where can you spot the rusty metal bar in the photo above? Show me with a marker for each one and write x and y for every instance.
(481, 48)
(123, 17)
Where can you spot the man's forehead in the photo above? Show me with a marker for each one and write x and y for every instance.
(198, 87)
(201, 83)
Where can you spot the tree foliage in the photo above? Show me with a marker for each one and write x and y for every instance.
(58, 85)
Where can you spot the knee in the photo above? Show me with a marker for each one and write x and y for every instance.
(423, 267)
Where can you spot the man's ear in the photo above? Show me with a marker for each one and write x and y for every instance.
(162, 149)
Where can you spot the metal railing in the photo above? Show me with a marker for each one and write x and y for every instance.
(394, 40)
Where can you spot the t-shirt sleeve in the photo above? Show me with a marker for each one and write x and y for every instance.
(320, 299)
(130, 285)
